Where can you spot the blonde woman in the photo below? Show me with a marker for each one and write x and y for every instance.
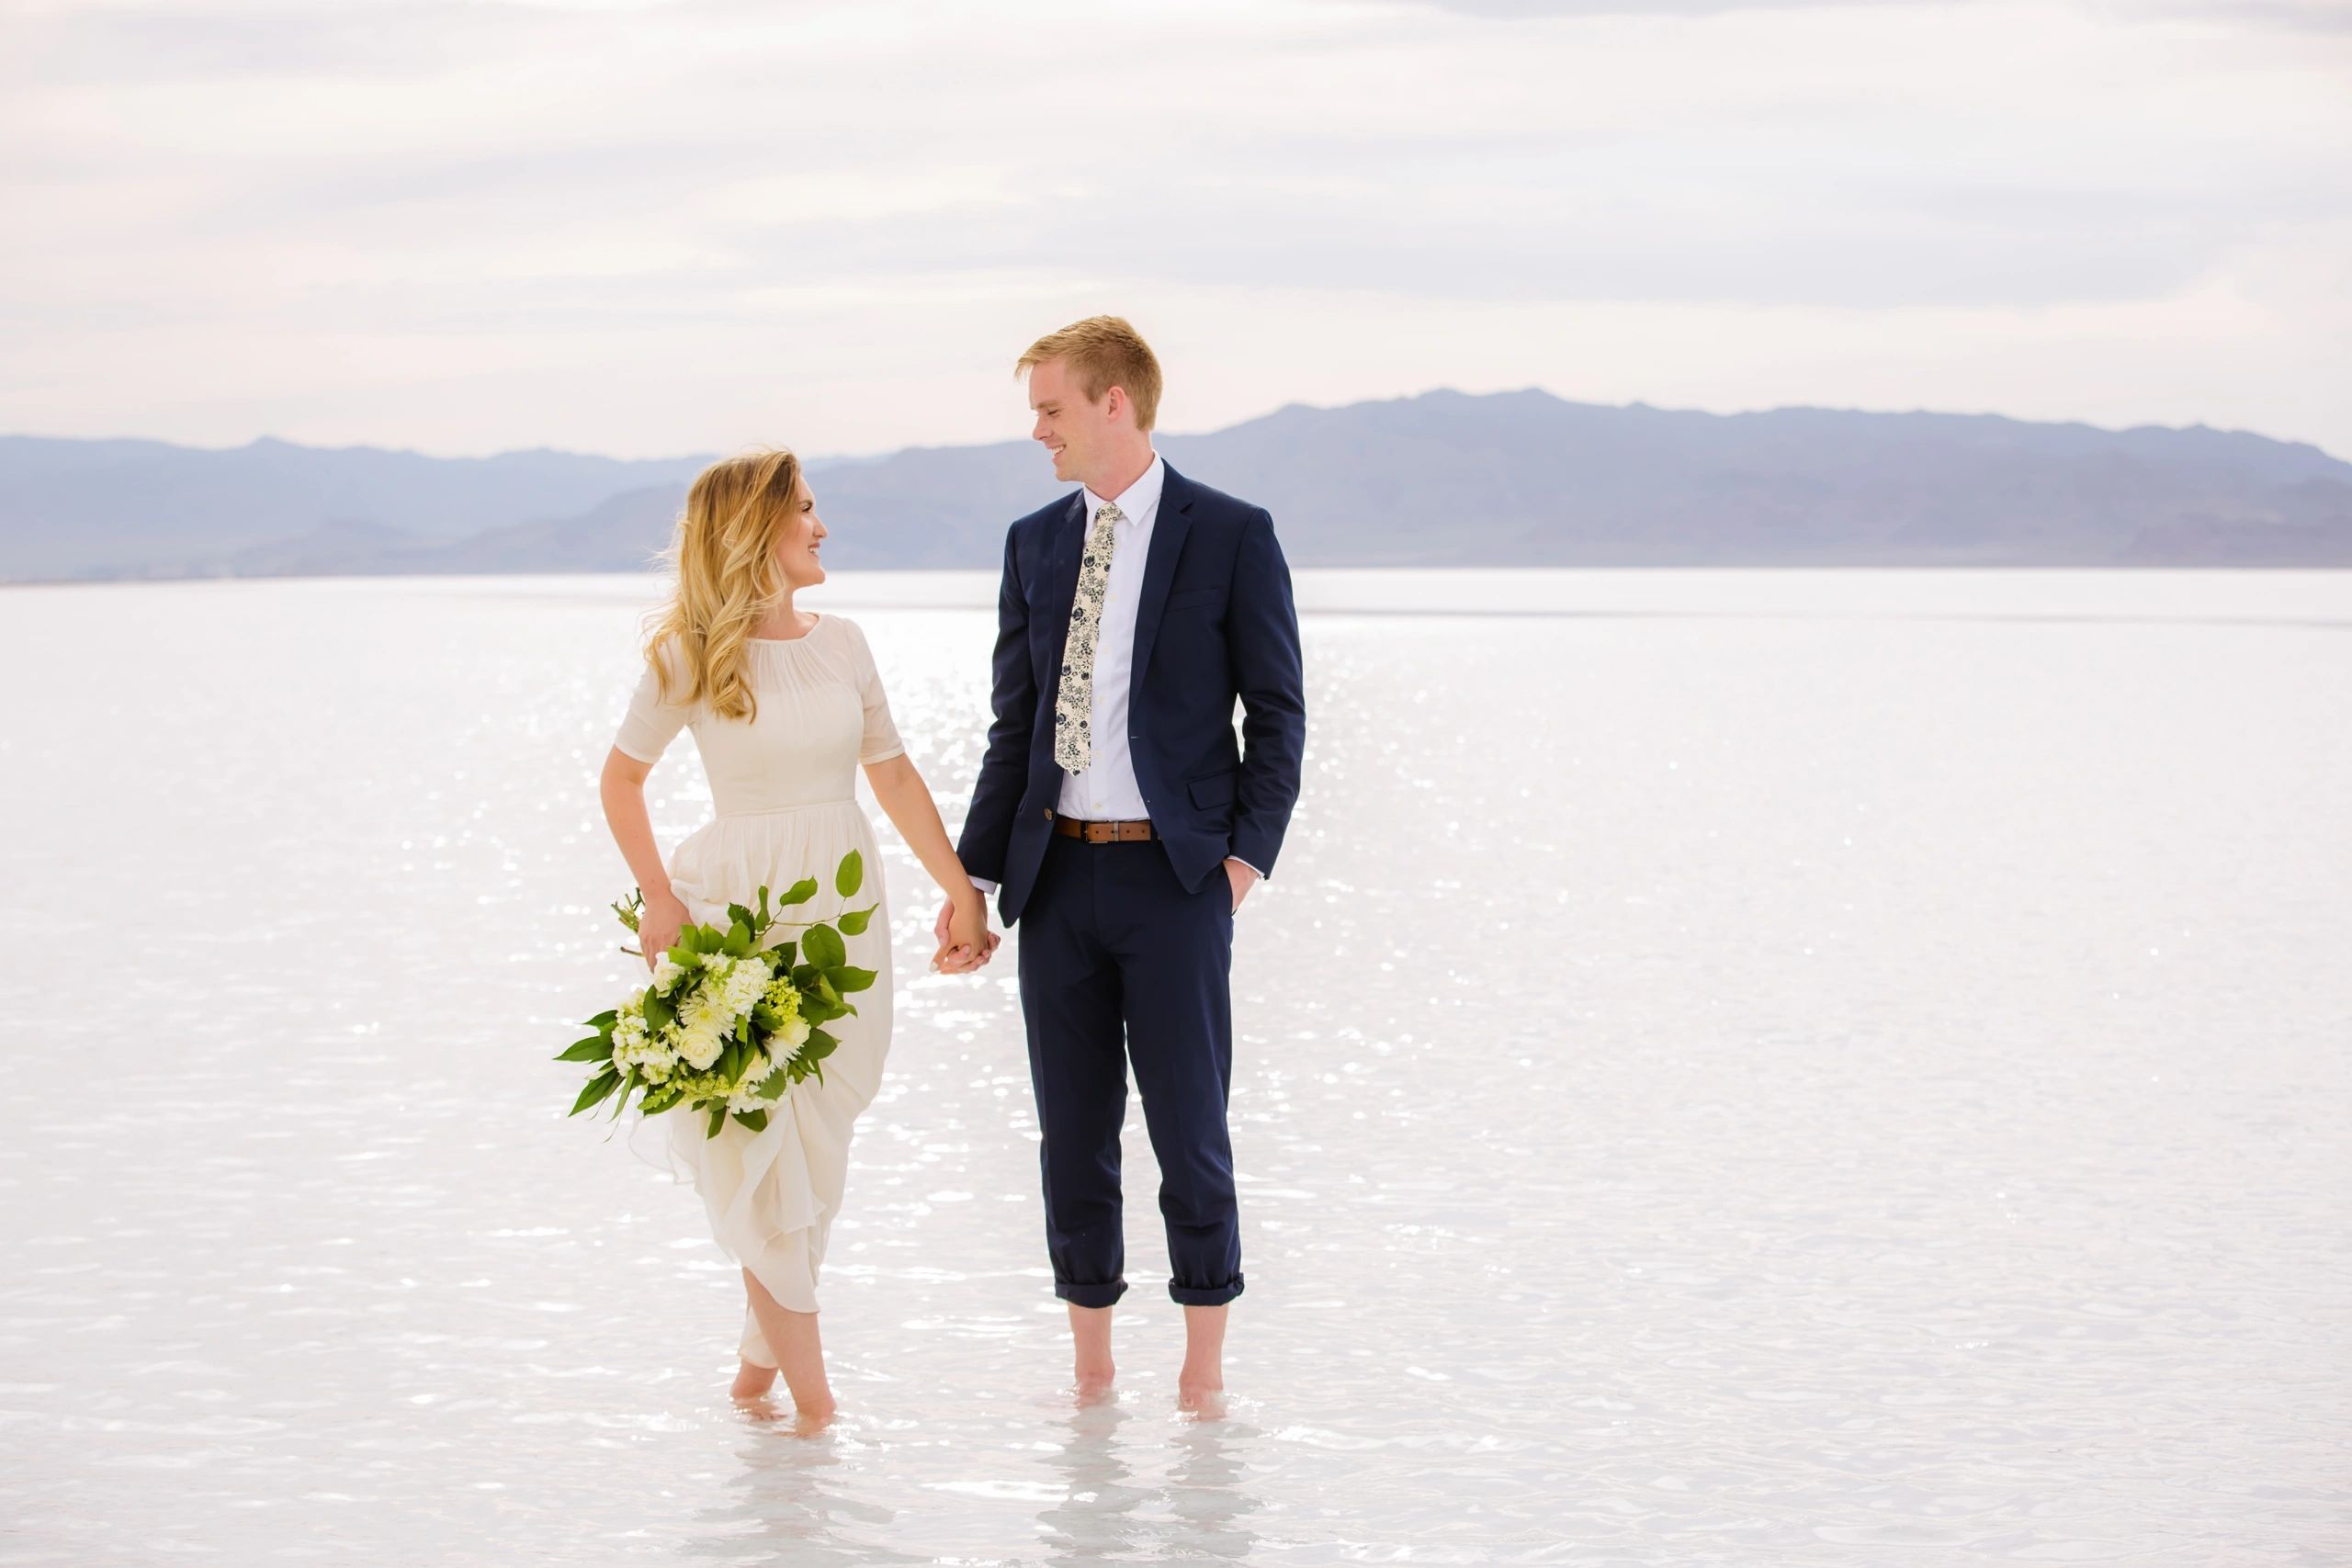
(784, 706)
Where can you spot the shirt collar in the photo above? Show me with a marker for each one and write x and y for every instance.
(1140, 499)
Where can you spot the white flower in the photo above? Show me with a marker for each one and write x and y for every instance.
(665, 974)
(795, 1032)
(699, 1044)
(747, 1096)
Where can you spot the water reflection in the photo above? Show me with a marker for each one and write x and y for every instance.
(1810, 1143)
(792, 1504)
(1206, 1489)
(1105, 1512)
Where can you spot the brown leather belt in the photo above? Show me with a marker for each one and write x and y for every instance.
(1103, 832)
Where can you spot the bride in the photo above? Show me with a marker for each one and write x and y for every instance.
(784, 705)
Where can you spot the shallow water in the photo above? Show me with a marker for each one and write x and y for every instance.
(1735, 1069)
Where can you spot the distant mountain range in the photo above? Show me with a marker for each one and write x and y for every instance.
(1446, 479)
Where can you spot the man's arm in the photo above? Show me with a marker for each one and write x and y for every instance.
(1004, 765)
(1261, 639)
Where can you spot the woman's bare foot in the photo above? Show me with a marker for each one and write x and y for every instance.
(753, 1381)
(1095, 1387)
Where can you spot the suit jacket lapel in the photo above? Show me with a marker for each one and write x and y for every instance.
(1061, 580)
(1168, 531)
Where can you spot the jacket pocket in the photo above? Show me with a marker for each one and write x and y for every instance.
(1215, 790)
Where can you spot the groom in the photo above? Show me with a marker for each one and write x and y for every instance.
(1126, 825)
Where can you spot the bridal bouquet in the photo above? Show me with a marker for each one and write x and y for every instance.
(729, 1023)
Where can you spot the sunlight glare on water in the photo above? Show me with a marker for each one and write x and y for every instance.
(1732, 1069)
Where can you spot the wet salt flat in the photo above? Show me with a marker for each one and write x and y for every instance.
(1735, 1069)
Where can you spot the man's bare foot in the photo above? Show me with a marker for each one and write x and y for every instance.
(1200, 1386)
(1202, 1399)
(1095, 1387)
(753, 1381)
(1093, 1372)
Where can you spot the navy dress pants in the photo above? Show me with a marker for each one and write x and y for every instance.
(1120, 965)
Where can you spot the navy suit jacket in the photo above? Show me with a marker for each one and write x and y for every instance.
(1214, 622)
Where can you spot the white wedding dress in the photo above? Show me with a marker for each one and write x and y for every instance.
(782, 784)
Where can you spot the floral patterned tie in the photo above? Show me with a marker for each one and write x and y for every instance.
(1074, 699)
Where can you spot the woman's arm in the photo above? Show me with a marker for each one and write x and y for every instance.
(898, 789)
(622, 790)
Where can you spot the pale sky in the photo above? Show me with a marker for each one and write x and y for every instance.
(653, 229)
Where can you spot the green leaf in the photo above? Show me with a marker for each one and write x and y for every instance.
(621, 1104)
(659, 1014)
(603, 1084)
(773, 1086)
(818, 1046)
(717, 1118)
(657, 1101)
(846, 978)
(785, 953)
(739, 941)
(596, 1048)
(849, 874)
(822, 946)
(799, 892)
(738, 915)
(604, 1020)
(757, 1121)
(853, 922)
(825, 991)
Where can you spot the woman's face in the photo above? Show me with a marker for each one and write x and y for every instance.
(797, 544)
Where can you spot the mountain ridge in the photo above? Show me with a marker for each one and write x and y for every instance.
(1442, 477)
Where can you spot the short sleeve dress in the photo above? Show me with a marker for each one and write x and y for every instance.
(783, 785)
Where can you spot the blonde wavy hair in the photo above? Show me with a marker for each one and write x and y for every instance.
(724, 555)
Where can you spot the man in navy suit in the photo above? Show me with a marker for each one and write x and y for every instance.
(1126, 825)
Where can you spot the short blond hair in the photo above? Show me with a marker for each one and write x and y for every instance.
(1104, 351)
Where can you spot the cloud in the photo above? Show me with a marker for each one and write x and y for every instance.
(522, 220)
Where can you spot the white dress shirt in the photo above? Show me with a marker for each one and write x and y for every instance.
(1107, 790)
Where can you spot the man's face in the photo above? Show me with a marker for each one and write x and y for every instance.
(1076, 431)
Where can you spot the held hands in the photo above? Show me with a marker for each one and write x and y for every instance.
(964, 941)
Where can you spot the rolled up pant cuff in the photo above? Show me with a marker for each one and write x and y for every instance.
(1091, 1295)
(1204, 1295)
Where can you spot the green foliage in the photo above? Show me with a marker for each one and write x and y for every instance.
(817, 964)
(603, 1084)
(821, 945)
